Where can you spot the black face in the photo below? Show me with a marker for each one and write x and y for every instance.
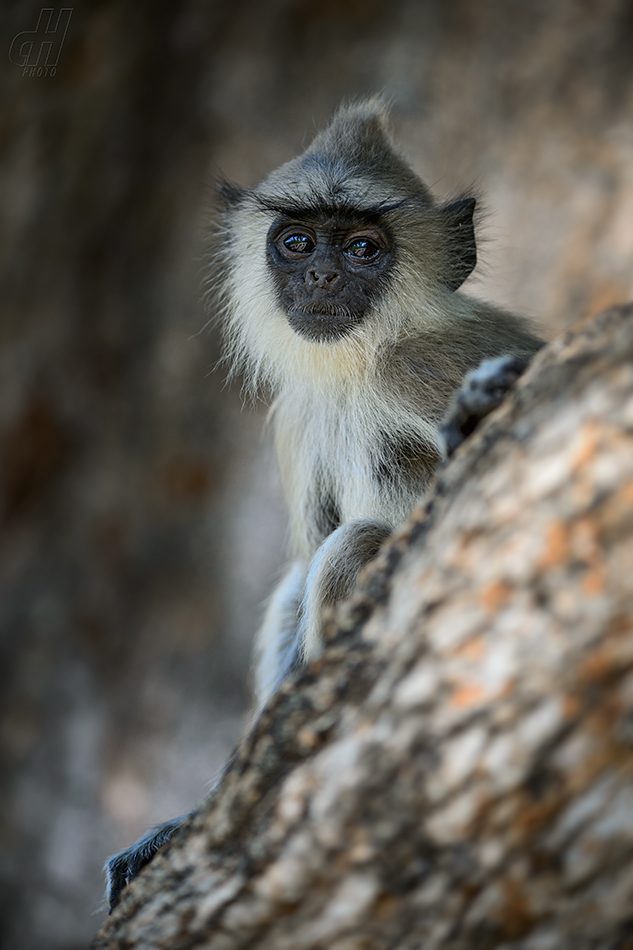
(328, 271)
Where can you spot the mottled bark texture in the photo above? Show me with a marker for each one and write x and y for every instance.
(456, 771)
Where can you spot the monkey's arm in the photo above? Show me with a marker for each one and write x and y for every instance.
(482, 390)
(123, 867)
(291, 632)
(332, 574)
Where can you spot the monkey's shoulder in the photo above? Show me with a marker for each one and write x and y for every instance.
(442, 351)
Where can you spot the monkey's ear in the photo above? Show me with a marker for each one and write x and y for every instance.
(462, 249)
(231, 195)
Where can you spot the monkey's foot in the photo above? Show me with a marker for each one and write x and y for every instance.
(482, 391)
(123, 867)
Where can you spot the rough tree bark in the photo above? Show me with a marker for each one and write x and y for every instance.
(456, 770)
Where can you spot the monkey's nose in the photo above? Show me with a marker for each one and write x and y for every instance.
(322, 278)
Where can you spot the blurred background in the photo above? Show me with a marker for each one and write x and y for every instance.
(141, 519)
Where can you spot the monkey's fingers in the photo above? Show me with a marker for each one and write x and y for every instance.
(482, 391)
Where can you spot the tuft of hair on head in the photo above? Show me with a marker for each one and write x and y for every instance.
(358, 123)
(353, 162)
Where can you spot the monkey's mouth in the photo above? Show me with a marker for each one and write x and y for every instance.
(321, 322)
(322, 310)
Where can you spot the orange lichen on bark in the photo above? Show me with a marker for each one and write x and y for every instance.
(473, 650)
(597, 666)
(557, 546)
(470, 694)
(494, 596)
(571, 706)
(588, 441)
(594, 581)
(586, 534)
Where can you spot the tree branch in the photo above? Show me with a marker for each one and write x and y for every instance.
(456, 770)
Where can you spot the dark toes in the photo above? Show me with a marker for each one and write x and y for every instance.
(123, 867)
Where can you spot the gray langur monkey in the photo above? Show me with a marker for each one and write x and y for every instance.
(340, 293)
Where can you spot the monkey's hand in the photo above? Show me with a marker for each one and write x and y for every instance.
(123, 867)
(482, 391)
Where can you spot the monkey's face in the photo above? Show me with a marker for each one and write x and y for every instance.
(329, 271)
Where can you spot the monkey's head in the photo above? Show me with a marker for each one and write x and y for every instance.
(339, 249)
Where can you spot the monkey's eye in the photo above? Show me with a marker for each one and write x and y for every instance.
(362, 249)
(299, 243)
